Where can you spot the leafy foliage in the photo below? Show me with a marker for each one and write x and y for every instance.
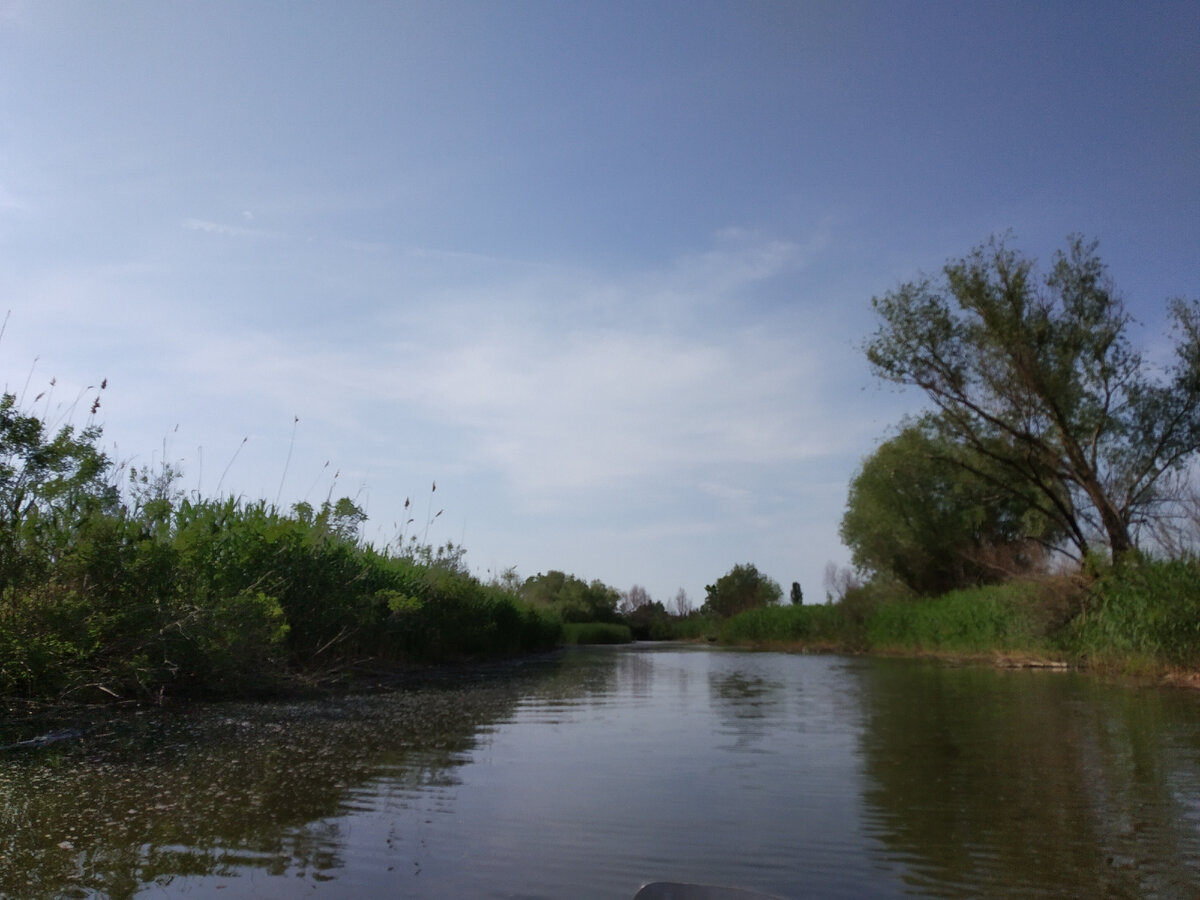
(933, 515)
(572, 598)
(1037, 374)
(743, 587)
(596, 633)
(49, 484)
(650, 622)
(164, 593)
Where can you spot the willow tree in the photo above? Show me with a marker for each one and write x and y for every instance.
(1037, 373)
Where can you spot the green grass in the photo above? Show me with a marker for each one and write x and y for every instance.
(815, 625)
(1017, 618)
(978, 620)
(1142, 613)
(694, 627)
(1141, 617)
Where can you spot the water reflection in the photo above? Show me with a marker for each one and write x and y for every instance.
(1031, 784)
(586, 773)
(749, 706)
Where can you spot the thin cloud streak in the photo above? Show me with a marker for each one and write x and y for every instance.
(591, 406)
(240, 231)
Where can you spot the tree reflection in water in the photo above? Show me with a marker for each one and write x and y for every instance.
(1048, 784)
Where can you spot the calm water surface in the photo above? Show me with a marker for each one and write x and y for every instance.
(589, 772)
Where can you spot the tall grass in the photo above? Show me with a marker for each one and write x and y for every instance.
(1143, 613)
(1027, 617)
(977, 620)
(828, 625)
(694, 627)
(140, 591)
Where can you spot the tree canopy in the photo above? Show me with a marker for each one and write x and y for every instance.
(574, 599)
(743, 587)
(1036, 374)
(921, 512)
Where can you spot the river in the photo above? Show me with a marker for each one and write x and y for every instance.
(584, 773)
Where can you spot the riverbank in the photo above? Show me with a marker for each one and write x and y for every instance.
(1136, 620)
(1131, 670)
(178, 598)
(116, 586)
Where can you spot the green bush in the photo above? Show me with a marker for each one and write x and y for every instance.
(596, 633)
(169, 594)
(228, 644)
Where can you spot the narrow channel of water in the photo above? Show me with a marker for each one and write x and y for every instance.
(584, 774)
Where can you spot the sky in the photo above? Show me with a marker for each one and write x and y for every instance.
(601, 270)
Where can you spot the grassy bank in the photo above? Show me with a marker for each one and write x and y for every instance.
(827, 626)
(1142, 617)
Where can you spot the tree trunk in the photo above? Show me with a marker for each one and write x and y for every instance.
(1119, 541)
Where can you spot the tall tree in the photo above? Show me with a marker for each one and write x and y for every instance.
(743, 587)
(1037, 374)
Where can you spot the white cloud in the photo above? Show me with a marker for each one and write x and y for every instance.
(580, 384)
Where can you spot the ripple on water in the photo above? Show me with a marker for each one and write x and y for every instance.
(798, 775)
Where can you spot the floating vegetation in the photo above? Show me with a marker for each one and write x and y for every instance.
(207, 789)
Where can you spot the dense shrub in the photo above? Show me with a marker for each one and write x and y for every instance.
(741, 588)
(596, 633)
(650, 622)
(146, 592)
(571, 598)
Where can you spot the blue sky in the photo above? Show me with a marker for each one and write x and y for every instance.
(602, 270)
